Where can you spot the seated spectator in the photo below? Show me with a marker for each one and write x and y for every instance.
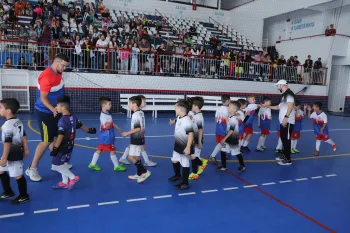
(8, 64)
(22, 64)
(318, 64)
(331, 31)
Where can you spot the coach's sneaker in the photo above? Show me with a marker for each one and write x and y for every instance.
(124, 161)
(193, 176)
(134, 177)
(5, 196)
(60, 185)
(334, 147)
(259, 149)
(120, 168)
(73, 182)
(279, 158)
(316, 153)
(150, 164)
(285, 162)
(94, 167)
(144, 176)
(182, 186)
(20, 199)
(213, 160)
(241, 169)
(221, 169)
(278, 151)
(174, 178)
(33, 174)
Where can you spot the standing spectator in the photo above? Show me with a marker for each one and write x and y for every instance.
(135, 59)
(286, 119)
(22, 64)
(102, 45)
(195, 61)
(8, 64)
(50, 88)
(179, 58)
(318, 64)
(145, 48)
(187, 55)
(307, 70)
(296, 61)
(217, 55)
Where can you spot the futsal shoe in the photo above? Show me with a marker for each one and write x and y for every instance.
(259, 149)
(277, 151)
(193, 176)
(245, 148)
(134, 177)
(204, 162)
(182, 186)
(221, 169)
(94, 167)
(292, 151)
(144, 176)
(5, 196)
(264, 147)
(213, 160)
(20, 199)
(150, 164)
(174, 178)
(316, 153)
(33, 174)
(73, 182)
(119, 168)
(201, 170)
(60, 185)
(334, 147)
(124, 161)
(285, 162)
(296, 150)
(241, 169)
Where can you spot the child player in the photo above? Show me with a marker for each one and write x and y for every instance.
(248, 123)
(184, 145)
(106, 138)
(320, 121)
(64, 144)
(221, 116)
(264, 123)
(148, 163)
(14, 151)
(137, 139)
(198, 164)
(230, 142)
(297, 126)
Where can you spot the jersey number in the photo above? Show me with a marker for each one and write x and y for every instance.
(20, 129)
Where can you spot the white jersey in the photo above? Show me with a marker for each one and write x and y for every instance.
(138, 121)
(284, 108)
(183, 127)
(250, 108)
(198, 123)
(13, 132)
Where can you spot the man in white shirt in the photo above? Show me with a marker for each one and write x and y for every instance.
(286, 119)
(102, 44)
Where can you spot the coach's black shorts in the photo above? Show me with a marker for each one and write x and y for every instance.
(48, 125)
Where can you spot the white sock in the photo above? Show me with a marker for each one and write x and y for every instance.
(330, 141)
(245, 143)
(263, 140)
(145, 156)
(114, 160)
(64, 179)
(279, 144)
(240, 142)
(318, 143)
(260, 141)
(216, 150)
(292, 143)
(126, 153)
(295, 144)
(64, 171)
(95, 158)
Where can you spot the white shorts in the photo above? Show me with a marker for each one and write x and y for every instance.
(183, 159)
(232, 149)
(14, 168)
(197, 152)
(135, 150)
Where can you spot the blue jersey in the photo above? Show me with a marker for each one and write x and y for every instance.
(265, 118)
(67, 126)
(106, 136)
(318, 121)
(250, 111)
(298, 121)
(221, 117)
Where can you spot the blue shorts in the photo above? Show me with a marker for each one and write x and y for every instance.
(61, 158)
(48, 125)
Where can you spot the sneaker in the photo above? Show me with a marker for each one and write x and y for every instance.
(264, 147)
(285, 162)
(193, 176)
(144, 176)
(33, 174)
(259, 149)
(277, 151)
(296, 150)
(204, 162)
(73, 182)
(334, 147)
(245, 148)
(182, 186)
(241, 169)
(292, 151)
(19, 200)
(316, 153)
(5, 196)
(279, 158)
(150, 164)
(201, 170)
(174, 178)
(94, 167)
(221, 169)
(134, 177)
(213, 160)
(60, 185)
(120, 168)
(124, 161)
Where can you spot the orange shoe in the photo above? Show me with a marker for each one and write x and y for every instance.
(334, 147)
(316, 153)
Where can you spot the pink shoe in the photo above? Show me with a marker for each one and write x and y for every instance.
(60, 185)
(73, 182)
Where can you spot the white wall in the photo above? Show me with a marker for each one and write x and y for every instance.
(249, 19)
(301, 23)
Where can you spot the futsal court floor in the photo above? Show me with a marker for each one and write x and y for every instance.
(311, 196)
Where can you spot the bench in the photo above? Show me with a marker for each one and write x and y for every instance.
(155, 103)
(211, 103)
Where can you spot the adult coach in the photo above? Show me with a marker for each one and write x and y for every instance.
(50, 88)
(287, 120)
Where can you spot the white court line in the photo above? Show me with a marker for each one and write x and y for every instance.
(11, 215)
(210, 191)
(77, 207)
(301, 179)
(331, 175)
(164, 196)
(316, 177)
(136, 199)
(250, 186)
(108, 203)
(45, 211)
(231, 188)
(271, 183)
(186, 194)
(285, 181)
